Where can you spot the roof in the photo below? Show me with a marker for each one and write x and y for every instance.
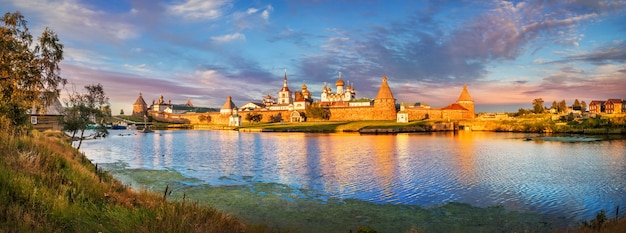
(55, 108)
(600, 102)
(465, 96)
(188, 103)
(285, 88)
(181, 107)
(454, 107)
(202, 110)
(361, 100)
(229, 104)
(298, 96)
(140, 100)
(418, 105)
(340, 82)
(615, 101)
(384, 92)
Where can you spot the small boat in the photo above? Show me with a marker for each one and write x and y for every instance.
(146, 130)
(119, 126)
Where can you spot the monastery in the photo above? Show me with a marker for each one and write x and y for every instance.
(290, 106)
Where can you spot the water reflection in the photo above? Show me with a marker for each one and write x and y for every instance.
(571, 180)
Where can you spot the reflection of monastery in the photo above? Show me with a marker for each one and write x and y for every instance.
(291, 106)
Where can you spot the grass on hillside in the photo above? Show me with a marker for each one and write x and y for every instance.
(48, 186)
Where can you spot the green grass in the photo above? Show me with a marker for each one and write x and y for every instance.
(48, 186)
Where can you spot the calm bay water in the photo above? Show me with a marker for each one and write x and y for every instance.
(565, 181)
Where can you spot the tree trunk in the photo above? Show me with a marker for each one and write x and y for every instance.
(80, 141)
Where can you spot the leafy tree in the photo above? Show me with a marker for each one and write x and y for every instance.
(562, 106)
(576, 105)
(253, 117)
(583, 106)
(521, 112)
(201, 118)
(87, 109)
(555, 105)
(29, 72)
(276, 118)
(122, 111)
(317, 111)
(538, 105)
(205, 118)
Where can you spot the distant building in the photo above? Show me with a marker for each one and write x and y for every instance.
(181, 108)
(229, 107)
(284, 95)
(340, 105)
(466, 101)
(302, 98)
(613, 106)
(463, 108)
(251, 106)
(284, 100)
(596, 106)
(402, 116)
(340, 97)
(160, 105)
(48, 118)
(140, 108)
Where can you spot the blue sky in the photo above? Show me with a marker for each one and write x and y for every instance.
(508, 53)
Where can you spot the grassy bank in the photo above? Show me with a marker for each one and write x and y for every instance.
(48, 186)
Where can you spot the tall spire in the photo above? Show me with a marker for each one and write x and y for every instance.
(285, 88)
(285, 79)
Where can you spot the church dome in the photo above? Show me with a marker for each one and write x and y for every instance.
(340, 82)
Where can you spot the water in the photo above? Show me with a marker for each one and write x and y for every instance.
(566, 182)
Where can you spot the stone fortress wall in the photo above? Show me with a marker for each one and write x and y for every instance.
(383, 108)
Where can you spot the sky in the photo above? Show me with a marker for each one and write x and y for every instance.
(506, 52)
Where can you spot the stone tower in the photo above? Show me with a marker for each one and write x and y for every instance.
(229, 108)
(385, 103)
(284, 95)
(140, 108)
(466, 101)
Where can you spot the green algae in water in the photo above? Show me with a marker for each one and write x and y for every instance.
(282, 207)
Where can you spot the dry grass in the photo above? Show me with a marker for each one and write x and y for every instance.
(48, 186)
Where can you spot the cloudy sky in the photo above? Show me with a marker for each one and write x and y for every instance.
(508, 53)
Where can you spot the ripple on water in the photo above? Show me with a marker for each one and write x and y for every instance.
(574, 180)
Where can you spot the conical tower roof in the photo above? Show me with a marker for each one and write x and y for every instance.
(188, 103)
(229, 104)
(465, 96)
(140, 100)
(384, 92)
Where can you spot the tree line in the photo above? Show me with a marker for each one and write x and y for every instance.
(559, 107)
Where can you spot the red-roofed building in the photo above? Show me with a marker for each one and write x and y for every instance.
(613, 106)
(596, 106)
